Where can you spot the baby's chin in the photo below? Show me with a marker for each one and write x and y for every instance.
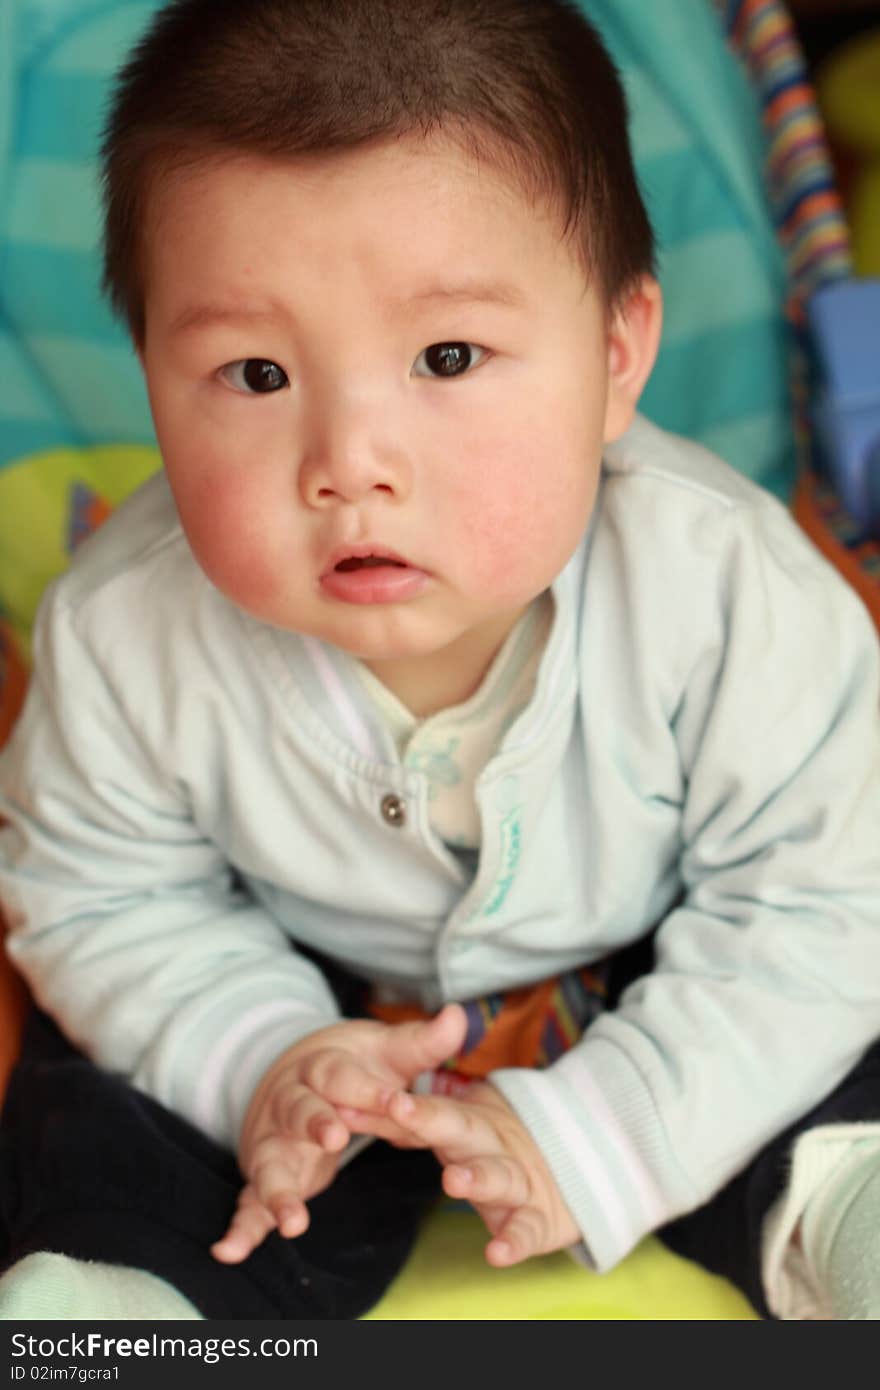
(386, 633)
(379, 649)
(421, 627)
(434, 625)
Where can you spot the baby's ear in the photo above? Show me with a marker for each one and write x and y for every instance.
(633, 340)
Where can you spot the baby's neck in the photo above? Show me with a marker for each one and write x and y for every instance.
(438, 680)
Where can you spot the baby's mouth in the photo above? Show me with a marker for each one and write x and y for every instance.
(355, 562)
(361, 575)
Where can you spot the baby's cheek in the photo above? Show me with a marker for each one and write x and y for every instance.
(234, 537)
(522, 525)
(493, 544)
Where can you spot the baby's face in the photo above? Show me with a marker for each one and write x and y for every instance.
(381, 387)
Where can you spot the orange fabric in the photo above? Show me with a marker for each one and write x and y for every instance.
(817, 204)
(808, 514)
(512, 1037)
(13, 995)
(13, 679)
(13, 1007)
(789, 100)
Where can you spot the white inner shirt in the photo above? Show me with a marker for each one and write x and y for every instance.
(452, 747)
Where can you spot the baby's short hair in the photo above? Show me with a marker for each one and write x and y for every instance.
(525, 85)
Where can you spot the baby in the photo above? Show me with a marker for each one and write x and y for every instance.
(435, 750)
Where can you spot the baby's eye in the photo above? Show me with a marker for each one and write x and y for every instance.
(447, 359)
(254, 376)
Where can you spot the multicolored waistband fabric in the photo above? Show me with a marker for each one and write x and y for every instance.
(527, 1027)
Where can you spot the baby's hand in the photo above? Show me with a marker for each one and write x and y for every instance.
(490, 1159)
(293, 1134)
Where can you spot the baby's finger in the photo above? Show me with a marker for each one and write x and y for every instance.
(494, 1179)
(340, 1079)
(380, 1127)
(522, 1235)
(280, 1182)
(411, 1048)
(444, 1124)
(308, 1116)
(248, 1228)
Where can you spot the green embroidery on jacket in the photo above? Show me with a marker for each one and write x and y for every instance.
(511, 850)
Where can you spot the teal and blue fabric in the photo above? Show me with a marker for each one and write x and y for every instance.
(69, 377)
(722, 376)
(67, 374)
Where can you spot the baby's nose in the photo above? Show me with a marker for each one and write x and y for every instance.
(347, 456)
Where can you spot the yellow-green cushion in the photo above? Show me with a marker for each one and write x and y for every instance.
(447, 1277)
(51, 501)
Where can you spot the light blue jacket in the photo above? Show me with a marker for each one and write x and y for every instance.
(191, 792)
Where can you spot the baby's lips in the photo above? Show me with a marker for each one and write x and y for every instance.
(364, 554)
(352, 579)
(368, 562)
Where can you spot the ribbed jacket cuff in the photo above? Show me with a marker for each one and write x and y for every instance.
(598, 1130)
(216, 1095)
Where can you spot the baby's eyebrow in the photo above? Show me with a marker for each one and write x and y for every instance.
(206, 315)
(465, 292)
(473, 292)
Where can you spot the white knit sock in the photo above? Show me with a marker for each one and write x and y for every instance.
(840, 1235)
(45, 1285)
(821, 1239)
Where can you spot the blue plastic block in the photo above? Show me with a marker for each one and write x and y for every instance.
(845, 321)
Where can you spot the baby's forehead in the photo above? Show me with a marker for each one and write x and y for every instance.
(410, 181)
(485, 160)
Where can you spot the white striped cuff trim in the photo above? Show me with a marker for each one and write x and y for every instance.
(628, 1160)
(266, 1049)
(583, 1155)
(215, 1070)
(302, 988)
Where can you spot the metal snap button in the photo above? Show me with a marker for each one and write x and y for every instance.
(393, 810)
